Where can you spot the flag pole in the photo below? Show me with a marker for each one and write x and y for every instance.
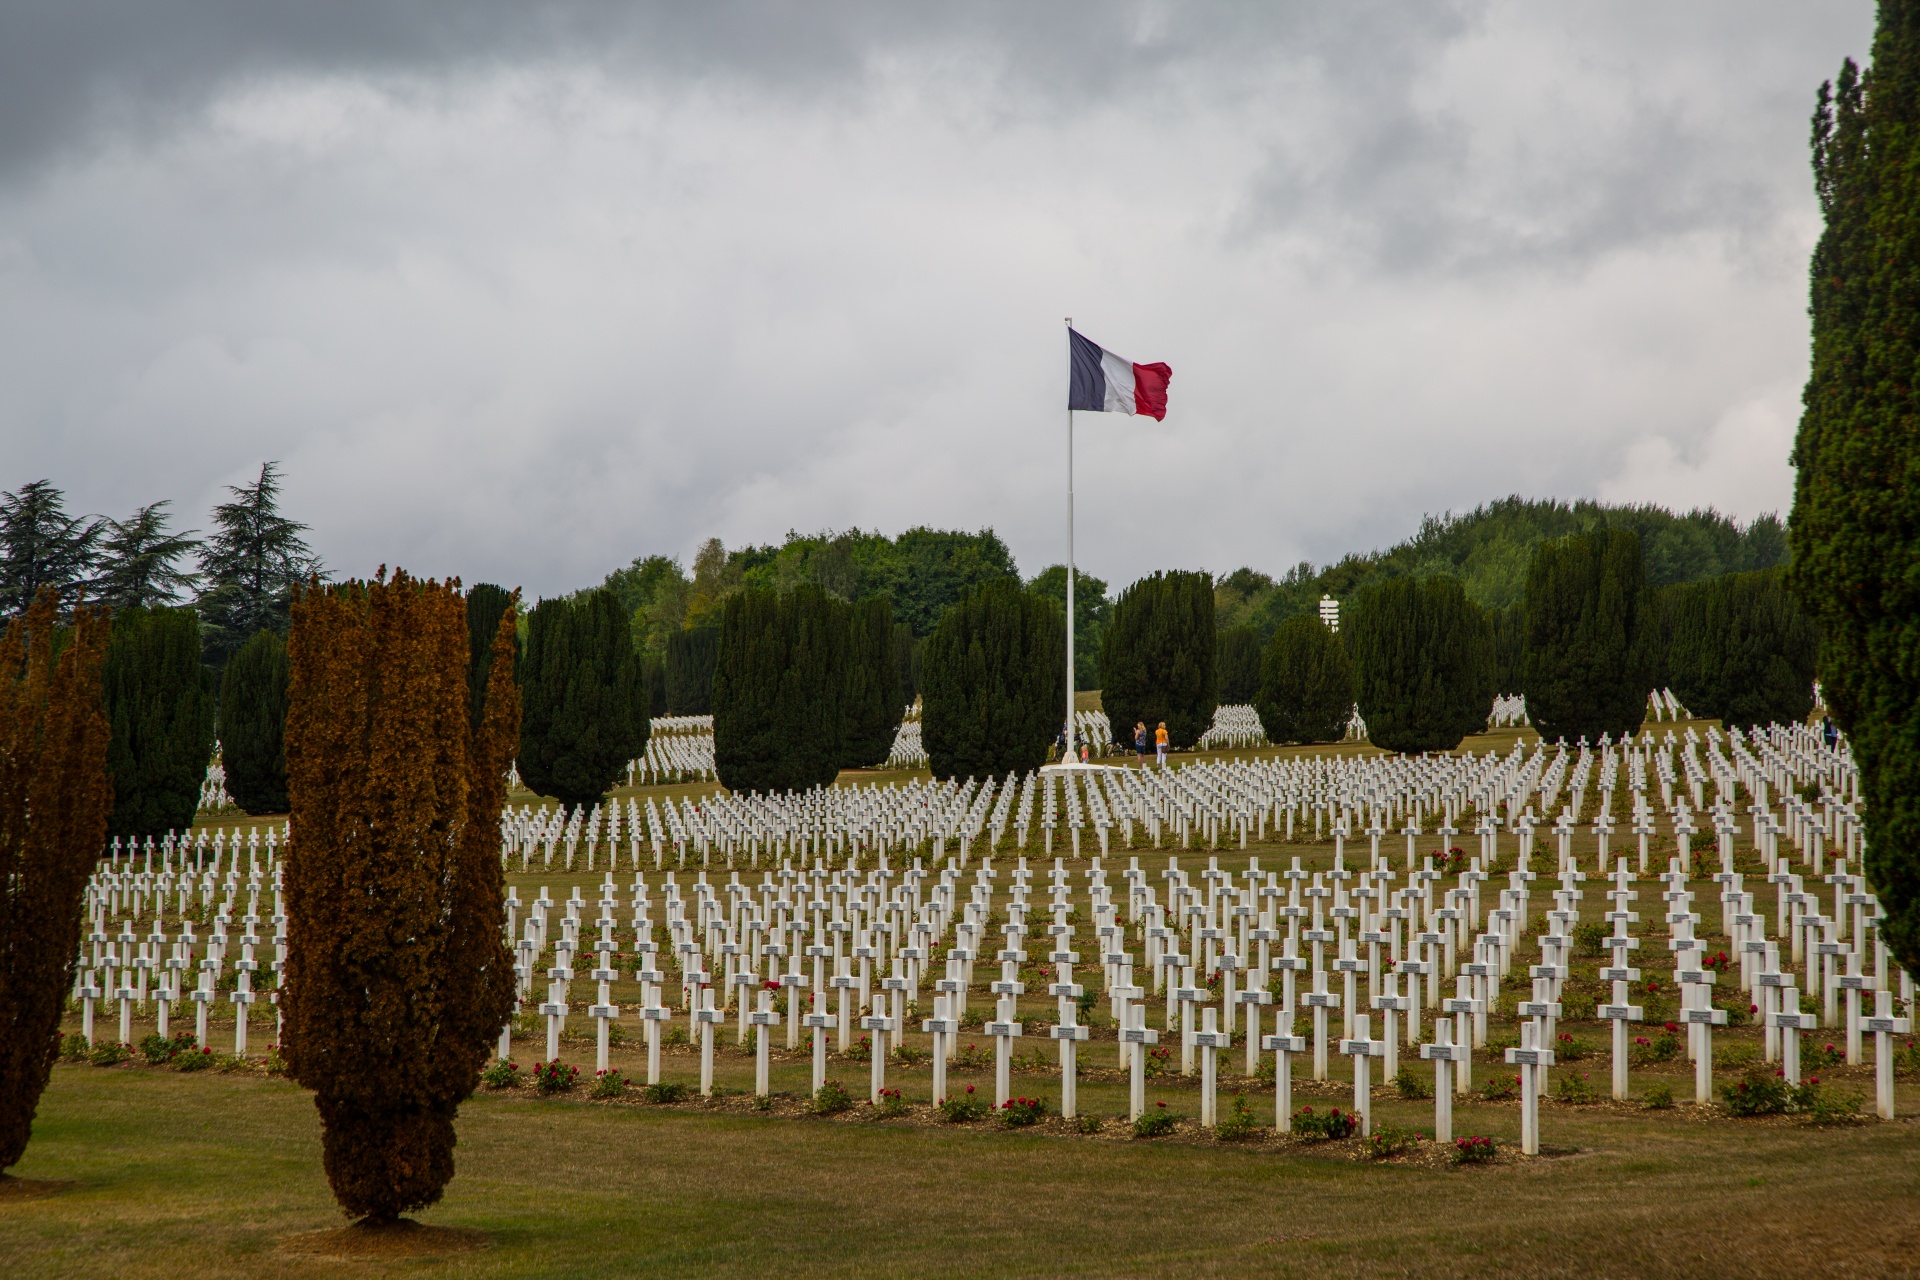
(1068, 752)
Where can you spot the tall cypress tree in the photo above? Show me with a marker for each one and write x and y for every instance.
(992, 686)
(1157, 662)
(811, 708)
(653, 675)
(1237, 663)
(906, 662)
(583, 704)
(1422, 656)
(1740, 650)
(1585, 669)
(160, 702)
(1856, 561)
(253, 721)
(748, 751)
(398, 978)
(690, 659)
(1306, 683)
(486, 604)
(779, 685)
(872, 702)
(54, 799)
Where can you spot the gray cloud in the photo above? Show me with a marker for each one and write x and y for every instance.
(521, 291)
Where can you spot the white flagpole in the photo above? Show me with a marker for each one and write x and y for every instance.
(1068, 752)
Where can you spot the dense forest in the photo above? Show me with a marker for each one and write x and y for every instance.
(1489, 548)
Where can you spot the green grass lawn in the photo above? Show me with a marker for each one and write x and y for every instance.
(204, 1175)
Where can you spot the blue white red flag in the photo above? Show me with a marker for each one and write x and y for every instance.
(1103, 382)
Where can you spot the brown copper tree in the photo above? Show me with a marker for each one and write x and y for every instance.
(398, 977)
(55, 797)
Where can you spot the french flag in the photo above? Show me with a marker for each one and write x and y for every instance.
(1105, 383)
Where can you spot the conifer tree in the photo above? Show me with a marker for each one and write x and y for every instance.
(1237, 660)
(1422, 656)
(1585, 668)
(689, 671)
(1306, 683)
(41, 546)
(872, 702)
(748, 750)
(811, 708)
(486, 604)
(160, 703)
(993, 692)
(653, 677)
(584, 710)
(138, 565)
(779, 688)
(253, 721)
(1740, 650)
(1856, 561)
(398, 979)
(251, 565)
(906, 662)
(54, 799)
(1157, 662)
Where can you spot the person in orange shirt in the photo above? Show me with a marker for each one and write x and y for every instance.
(1160, 744)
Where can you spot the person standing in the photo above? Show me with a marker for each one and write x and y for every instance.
(1160, 744)
(1140, 742)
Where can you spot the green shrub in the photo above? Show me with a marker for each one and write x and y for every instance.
(1389, 1140)
(1758, 1093)
(1500, 1088)
(500, 1074)
(1658, 1097)
(665, 1093)
(1819, 1057)
(1587, 939)
(1157, 1123)
(1823, 1104)
(1411, 1087)
(893, 1104)
(1574, 1089)
(74, 1048)
(1089, 1123)
(196, 1059)
(1239, 1121)
(831, 1098)
(608, 1084)
(1322, 1126)
(1567, 1049)
(1473, 1150)
(1018, 1113)
(555, 1077)
(109, 1054)
(964, 1108)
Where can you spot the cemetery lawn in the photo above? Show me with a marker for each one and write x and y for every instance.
(203, 1175)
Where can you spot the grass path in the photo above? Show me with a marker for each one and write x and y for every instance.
(203, 1175)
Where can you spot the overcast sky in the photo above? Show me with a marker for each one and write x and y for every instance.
(520, 291)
